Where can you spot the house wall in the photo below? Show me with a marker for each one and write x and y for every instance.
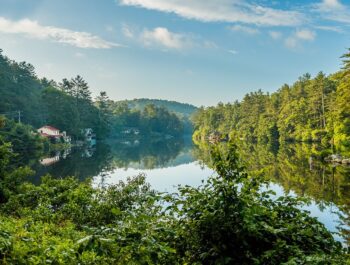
(48, 131)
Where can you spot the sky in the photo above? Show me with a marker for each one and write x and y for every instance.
(192, 51)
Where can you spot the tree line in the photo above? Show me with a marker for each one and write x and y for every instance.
(311, 110)
(69, 106)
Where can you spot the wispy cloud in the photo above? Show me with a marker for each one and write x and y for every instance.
(234, 52)
(333, 10)
(298, 36)
(222, 11)
(33, 29)
(330, 28)
(127, 31)
(305, 34)
(245, 29)
(164, 38)
(276, 35)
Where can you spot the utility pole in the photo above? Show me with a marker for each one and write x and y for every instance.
(19, 116)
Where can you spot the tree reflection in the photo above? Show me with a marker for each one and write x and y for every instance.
(297, 168)
(105, 157)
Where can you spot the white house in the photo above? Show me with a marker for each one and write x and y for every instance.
(49, 131)
(52, 132)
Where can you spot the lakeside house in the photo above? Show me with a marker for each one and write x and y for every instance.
(89, 135)
(130, 131)
(54, 133)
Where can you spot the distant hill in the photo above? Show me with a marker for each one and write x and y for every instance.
(181, 109)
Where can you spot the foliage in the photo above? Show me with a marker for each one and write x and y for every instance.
(151, 121)
(230, 220)
(298, 168)
(311, 110)
(19, 90)
(69, 106)
(181, 109)
(227, 220)
(21, 136)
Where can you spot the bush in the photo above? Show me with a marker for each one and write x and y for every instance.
(227, 220)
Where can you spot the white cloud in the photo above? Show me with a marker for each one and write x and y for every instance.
(276, 35)
(298, 36)
(127, 31)
(244, 29)
(232, 11)
(330, 28)
(33, 29)
(234, 52)
(328, 5)
(333, 10)
(163, 37)
(210, 45)
(305, 34)
(291, 42)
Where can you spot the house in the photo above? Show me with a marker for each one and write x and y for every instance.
(130, 131)
(54, 133)
(89, 136)
(49, 131)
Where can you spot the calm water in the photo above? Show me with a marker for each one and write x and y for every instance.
(168, 163)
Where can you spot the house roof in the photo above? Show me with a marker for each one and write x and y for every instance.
(50, 128)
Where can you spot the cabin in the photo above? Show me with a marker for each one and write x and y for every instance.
(54, 133)
(130, 131)
(49, 131)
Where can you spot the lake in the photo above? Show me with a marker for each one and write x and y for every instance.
(167, 163)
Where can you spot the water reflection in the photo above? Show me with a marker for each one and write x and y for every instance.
(111, 155)
(151, 153)
(298, 170)
(292, 168)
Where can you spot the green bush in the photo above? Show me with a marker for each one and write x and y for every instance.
(230, 219)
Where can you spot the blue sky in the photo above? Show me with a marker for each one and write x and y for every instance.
(193, 51)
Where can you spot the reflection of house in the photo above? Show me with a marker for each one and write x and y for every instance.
(53, 133)
(57, 157)
(49, 160)
(214, 137)
(88, 152)
(66, 153)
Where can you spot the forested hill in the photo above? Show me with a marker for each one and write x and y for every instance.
(181, 109)
(311, 110)
(68, 105)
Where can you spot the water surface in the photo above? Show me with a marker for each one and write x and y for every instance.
(167, 163)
